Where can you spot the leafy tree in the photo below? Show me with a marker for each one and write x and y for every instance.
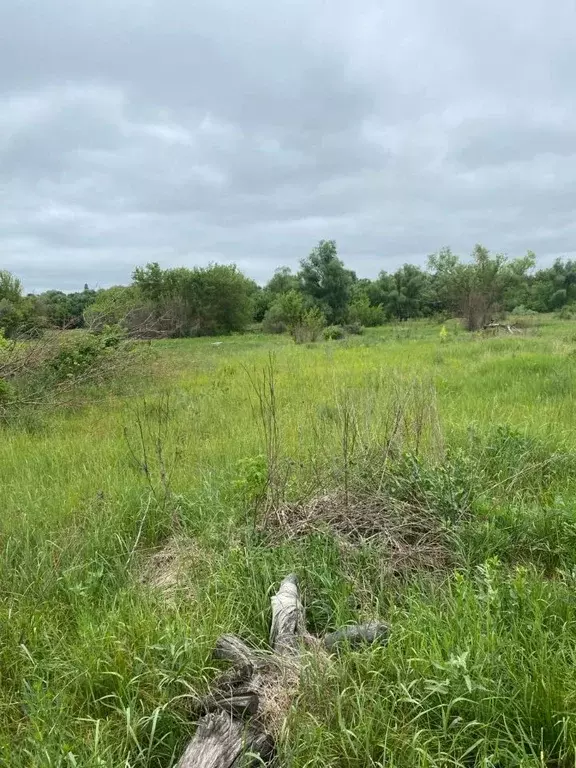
(363, 312)
(10, 287)
(119, 305)
(406, 293)
(11, 303)
(199, 301)
(282, 281)
(477, 290)
(324, 278)
(554, 287)
(285, 313)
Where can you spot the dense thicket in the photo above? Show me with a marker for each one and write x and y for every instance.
(220, 299)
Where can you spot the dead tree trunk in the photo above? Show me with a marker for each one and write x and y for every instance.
(234, 731)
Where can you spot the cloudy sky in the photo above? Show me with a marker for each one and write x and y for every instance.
(189, 131)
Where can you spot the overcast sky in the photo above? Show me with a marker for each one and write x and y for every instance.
(189, 131)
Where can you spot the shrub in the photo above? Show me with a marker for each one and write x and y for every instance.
(362, 312)
(567, 313)
(59, 367)
(334, 333)
(274, 320)
(310, 327)
(523, 311)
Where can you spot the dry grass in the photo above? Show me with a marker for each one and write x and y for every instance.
(168, 569)
(409, 538)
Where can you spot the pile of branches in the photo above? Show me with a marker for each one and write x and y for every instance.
(409, 536)
(58, 368)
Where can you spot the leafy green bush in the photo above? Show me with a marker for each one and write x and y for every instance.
(521, 310)
(274, 320)
(334, 333)
(310, 326)
(567, 312)
(59, 367)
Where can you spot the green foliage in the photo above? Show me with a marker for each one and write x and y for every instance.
(309, 328)
(364, 313)
(199, 301)
(354, 329)
(10, 287)
(285, 313)
(334, 333)
(118, 305)
(75, 359)
(11, 303)
(404, 294)
(65, 310)
(567, 312)
(324, 278)
(112, 602)
(477, 290)
(220, 300)
(521, 310)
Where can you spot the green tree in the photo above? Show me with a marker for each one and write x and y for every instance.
(11, 303)
(477, 290)
(324, 278)
(405, 293)
(285, 313)
(363, 312)
(199, 301)
(552, 288)
(119, 305)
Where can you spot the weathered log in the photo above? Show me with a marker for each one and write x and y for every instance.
(233, 730)
(288, 622)
(231, 648)
(223, 741)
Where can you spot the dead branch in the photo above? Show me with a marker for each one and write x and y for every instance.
(235, 729)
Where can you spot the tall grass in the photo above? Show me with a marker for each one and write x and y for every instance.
(99, 665)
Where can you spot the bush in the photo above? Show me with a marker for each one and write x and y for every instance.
(274, 320)
(310, 327)
(59, 367)
(334, 333)
(521, 310)
(567, 313)
(362, 312)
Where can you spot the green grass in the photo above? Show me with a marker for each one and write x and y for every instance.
(97, 668)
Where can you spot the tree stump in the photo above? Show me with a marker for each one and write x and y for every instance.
(233, 731)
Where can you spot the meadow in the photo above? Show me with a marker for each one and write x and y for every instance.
(137, 528)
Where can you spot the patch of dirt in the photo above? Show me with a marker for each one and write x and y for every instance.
(168, 569)
(408, 537)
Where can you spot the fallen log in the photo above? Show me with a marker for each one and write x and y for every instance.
(510, 328)
(233, 730)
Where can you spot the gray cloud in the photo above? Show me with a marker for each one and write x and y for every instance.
(245, 132)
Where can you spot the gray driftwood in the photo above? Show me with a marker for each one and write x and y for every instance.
(233, 731)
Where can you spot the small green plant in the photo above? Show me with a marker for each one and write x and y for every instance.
(251, 483)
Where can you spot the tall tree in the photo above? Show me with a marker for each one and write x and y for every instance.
(324, 278)
(477, 290)
(405, 293)
(11, 303)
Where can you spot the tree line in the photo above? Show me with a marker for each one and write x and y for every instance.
(219, 299)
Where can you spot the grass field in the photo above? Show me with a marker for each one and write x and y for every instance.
(133, 533)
